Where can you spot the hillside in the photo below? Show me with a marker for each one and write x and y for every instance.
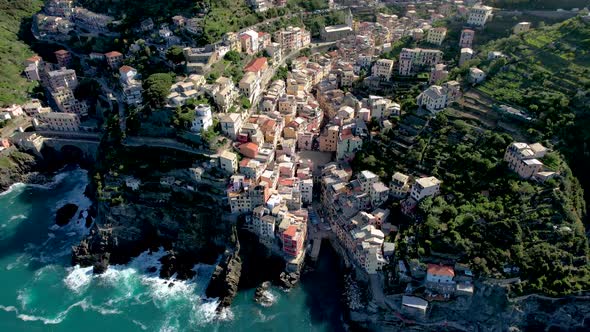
(13, 51)
(537, 4)
(547, 73)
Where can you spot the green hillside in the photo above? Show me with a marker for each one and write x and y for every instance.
(13, 14)
(537, 4)
(548, 74)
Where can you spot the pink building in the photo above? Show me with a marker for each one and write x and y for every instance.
(466, 40)
(293, 239)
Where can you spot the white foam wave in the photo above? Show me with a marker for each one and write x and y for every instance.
(13, 187)
(8, 308)
(140, 324)
(84, 304)
(78, 278)
(269, 298)
(17, 217)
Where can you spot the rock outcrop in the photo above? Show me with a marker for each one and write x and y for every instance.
(65, 214)
(21, 167)
(226, 277)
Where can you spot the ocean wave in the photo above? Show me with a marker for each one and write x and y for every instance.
(140, 324)
(83, 304)
(78, 278)
(8, 308)
(13, 187)
(17, 217)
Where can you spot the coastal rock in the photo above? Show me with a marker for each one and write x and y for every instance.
(174, 264)
(65, 214)
(18, 169)
(262, 295)
(226, 277)
(101, 265)
(289, 280)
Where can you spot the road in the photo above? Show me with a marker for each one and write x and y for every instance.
(167, 143)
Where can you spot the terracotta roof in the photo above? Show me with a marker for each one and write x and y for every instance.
(286, 182)
(61, 52)
(125, 69)
(249, 150)
(244, 36)
(256, 65)
(441, 270)
(35, 58)
(244, 162)
(113, 54)
(290, 231)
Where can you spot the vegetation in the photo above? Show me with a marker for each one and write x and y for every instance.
(156, 89)
(537, 4)
(488, 217)
(14, 23)
(547, 73)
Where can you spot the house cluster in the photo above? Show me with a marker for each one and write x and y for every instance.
(352, 207)
(251, 42)
(60, 84)
(410, 194)
(260, 6)
(435, 98)
(130, 85)
(440, 282)
(523, 159)
(60, 17)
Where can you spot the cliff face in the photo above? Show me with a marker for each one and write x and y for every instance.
(182, 221)
(16, 167)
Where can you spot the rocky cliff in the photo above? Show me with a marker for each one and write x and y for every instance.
(17, 167)
(182, 221)
(226, 277)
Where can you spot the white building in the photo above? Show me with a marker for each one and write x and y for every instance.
(228, 161)
(478, 15)
(231, 123)
(521, 27)
(466, 55)
(306, 189)
(524, 159)
(203, 119)
(399, 185)
(476, 75)
(425, 187)
(433, 99)
(382, 68)
(436, 35)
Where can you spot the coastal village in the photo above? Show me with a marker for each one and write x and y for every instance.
(281, 132)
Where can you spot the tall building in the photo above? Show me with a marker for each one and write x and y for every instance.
(466, 40)
(478, 15)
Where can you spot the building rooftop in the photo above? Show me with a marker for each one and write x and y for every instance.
(441, 270)
(428, 181)
(255, 65)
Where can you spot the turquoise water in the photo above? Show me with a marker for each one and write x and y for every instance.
(40, 291)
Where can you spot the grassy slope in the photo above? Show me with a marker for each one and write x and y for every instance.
(14, 87)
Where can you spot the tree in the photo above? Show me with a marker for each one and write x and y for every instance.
(232, 56)
(175, 54)
(156, 89)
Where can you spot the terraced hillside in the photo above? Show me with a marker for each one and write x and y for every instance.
(13, 51)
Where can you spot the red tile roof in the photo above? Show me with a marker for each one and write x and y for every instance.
(35, 58)
(61, 52)
(244, 162)
(256, 65)
(125, 69)
(290, 231)
(441, 270)
(244, 36)
(113, 54)
(249, 150)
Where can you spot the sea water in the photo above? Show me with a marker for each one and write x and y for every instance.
(41, 291)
